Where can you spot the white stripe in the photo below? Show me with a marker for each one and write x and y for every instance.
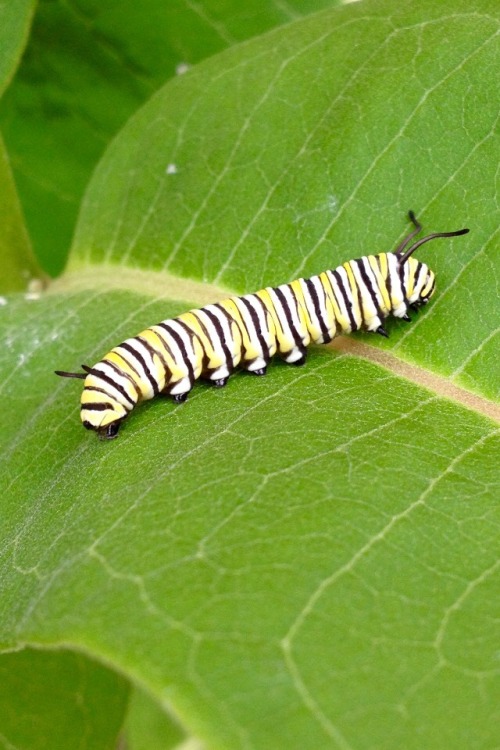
(187, 340)
(247, 320)
(339, 297)
(369, 311)
(262, 315)
(139, 348)
(320, 291)
(315, 332)
(375, 283)
(420, 281)
(293, 304)
(281, 315)
(228, 334)
(121, 380)
(215, 339)
(397, 291)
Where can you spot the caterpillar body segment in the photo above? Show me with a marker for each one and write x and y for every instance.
(246, 332)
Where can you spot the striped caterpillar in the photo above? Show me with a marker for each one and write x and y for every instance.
(247, 331)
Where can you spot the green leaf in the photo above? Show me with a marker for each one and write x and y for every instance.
(15, 19)
(19, 267)
(88, 66)
(148, 727)
(309, 559)
(16, 258)
(54, 700)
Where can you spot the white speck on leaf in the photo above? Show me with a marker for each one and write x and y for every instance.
(171, 169)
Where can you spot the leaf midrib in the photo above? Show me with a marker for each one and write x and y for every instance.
(109, 277)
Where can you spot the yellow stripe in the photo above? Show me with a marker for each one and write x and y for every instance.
(93, 397)
(191, 319)
(158, 373)
(244, 342)
(380, 277)
(344, 322)
(285, 344)
(359, 318)
(102, 418)
(122, 363)
(303, 310)
(194, 324)
(412, 268)
(178, 371)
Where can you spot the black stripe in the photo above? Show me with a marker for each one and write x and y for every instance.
(205, 367)
(358, 293)
(193, 334)
(317, 308)
(368, 283)
(98, 406)
(165, 343)
(180, 343)
(230, 319)
(153, 350)
(388, 282)
(348, 303)
(220, 333)
(124, 374)
(402, 280)
(107, 379)
(418, 271)
(333, 297)
(284, 303)
(129, 364)
(141, 359)
(256, 324)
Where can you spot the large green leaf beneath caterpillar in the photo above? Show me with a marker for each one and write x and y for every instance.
(88, 66)
(306, 559)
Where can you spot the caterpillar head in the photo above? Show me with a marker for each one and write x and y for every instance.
(100, 409)
(417, 278)
(419, 282)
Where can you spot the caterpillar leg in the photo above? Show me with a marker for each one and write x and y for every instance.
(381, 331)
(257, 366)
(179, 398)
(218, 377)
(296, 356)
(179, 390)
(110, 431)
(220, 382)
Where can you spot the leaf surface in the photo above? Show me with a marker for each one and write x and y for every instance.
(308, 559)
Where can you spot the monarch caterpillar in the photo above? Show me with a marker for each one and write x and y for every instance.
(247, 331)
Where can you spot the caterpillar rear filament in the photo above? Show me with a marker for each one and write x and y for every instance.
(246, 332)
